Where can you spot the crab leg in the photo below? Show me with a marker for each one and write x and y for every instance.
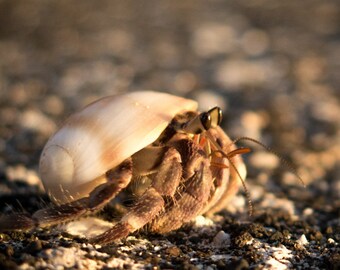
(149, 205)
(188, 204)
(117, 180)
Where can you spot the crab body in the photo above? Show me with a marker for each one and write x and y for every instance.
(157, 147)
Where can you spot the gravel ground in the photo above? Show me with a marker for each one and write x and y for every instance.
(272, 66)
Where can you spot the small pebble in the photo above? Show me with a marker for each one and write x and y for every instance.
(203, 221)
(308, 211)
(302, 240)
(157, 248)
(264, 160)
(173, 251)
(330, 241)
(221, 239)
(208, 99)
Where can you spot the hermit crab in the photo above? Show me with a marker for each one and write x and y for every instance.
(175, 161)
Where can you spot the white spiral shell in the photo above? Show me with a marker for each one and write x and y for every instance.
(101, 136)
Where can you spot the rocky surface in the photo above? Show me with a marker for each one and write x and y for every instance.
(274, 69)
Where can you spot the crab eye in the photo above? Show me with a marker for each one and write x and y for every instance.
(211, 118)
(203, 121)
(205, 118)
(216, 117)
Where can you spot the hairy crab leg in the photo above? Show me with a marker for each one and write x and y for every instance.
(150, 204)
(116, 180)
(147, 207)
(188, 203)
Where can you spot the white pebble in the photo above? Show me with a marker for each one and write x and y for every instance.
(37, 121)
(203, 221)
(209, 40)
(264, 160)
(208, 99)
(302, 240)
(87, 227)
(308, 211)
(330, 241)
(221, 239)
(157, 248)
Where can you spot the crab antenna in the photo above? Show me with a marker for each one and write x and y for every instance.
(250, 204)
(282, 159)
(219, 149)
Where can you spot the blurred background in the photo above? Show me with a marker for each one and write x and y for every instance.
(273, 67)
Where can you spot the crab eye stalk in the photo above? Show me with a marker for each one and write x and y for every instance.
(204, 121)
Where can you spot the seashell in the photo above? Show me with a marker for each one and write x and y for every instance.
(101, 136)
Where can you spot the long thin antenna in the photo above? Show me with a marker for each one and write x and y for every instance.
(250, 204)
(282, 159)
